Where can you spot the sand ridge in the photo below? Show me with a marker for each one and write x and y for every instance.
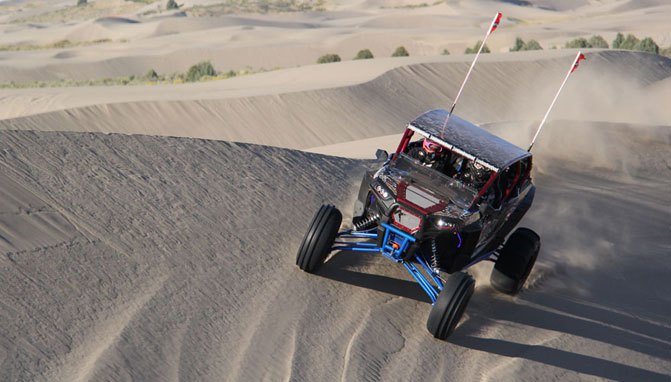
(504, 90)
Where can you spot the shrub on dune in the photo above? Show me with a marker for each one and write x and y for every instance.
(533, 45)
(81, 3)
(172, 4)
(328, 58)
(198, 71)
(578, 43)
(364, 54)
(400, 52)
(519, 45)
(630, 42)
(597, 41)
(474, 49)
(445, 52)
(529, 45)
(647, 45)
(151, 75)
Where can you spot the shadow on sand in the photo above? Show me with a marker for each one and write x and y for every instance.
(550, 312)
(337, 269)
(580, 363)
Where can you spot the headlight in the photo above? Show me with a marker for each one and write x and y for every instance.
(453, 218)
(381, 191)
(444, 223)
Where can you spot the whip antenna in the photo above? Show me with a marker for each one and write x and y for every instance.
(492, 28)
(574, 66)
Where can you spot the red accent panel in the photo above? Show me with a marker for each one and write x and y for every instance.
(400, 190)
(401, 198)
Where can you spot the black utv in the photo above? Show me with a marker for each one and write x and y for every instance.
(438, 205)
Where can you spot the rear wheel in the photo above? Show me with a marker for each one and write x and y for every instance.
(450, 305)
(516, 259)
(319, 238)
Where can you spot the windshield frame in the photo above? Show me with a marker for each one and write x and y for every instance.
(403, 166)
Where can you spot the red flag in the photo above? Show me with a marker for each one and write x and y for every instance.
(495, 22)
(577, 61)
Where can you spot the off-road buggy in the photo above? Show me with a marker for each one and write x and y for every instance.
(445, 214)
(437, 220)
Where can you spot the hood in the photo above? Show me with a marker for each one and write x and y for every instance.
(423, 186)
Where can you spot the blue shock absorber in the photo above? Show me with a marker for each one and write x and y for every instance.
(431, 272)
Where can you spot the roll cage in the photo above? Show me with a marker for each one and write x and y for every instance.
(510, 165)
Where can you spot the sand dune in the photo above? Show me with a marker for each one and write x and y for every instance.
(150, 232)
(503, 90)
(287, 40)
(179, 269)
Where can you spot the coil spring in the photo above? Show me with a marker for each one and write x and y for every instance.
(369, 222)
(435, 262)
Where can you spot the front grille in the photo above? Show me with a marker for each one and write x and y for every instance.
(406, 220)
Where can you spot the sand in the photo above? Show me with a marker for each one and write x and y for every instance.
(150, 232)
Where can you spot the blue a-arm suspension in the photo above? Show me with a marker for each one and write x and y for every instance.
(394, 245)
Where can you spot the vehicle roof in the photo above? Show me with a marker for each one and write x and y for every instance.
(468, 140)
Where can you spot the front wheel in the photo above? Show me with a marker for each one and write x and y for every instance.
(319, 238)
(516, 259)
(450, 305)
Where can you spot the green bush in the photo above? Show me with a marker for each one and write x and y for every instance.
(81, 3)
(474, 49)
(630, 42)
(364, 54)
(199, 70)
(151, 75)
(647, 45)
(519, 45)
(445, 52)
(400, 52)
(327, 58)
(578, 43)
(597, 41)
(533, 45)
(529, 45)
(172, 4)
